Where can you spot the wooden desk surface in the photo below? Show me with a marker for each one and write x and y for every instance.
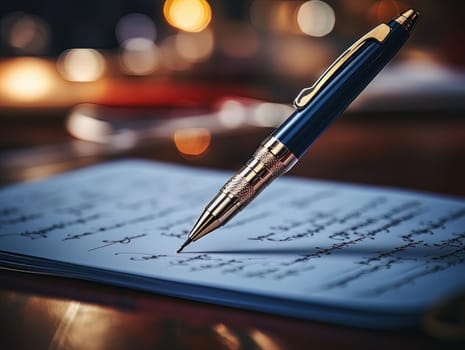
(38, 312)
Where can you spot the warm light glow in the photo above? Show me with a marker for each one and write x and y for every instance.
(283, 16)
(229, 339)
(73, 329)
(384, 10)
(135, 25)
(192, 141)
(290, 56)
(188, 15)
(27, 80)
(140, 56)
(316, 18)
(195, 47)
(69, 321)
(171, 58)
(81, 65)
(280, 16)
(26, 33)
(263, 340)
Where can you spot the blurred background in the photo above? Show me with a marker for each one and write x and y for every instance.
(203, 82)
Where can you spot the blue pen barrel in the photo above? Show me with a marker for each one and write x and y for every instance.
(304, 126)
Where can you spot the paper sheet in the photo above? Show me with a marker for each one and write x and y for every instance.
(304, 248)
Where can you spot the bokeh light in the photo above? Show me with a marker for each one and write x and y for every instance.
(228, 336)
(195, 47)
(296, 56)
(135, 25)
(27, 34)
(192, 141)
(269, 114)
(81, 65)
(316, 18)
(83, 125)
(188, 15)
(140, 56)
(279, 16)
(232, 114)
(264, 341)
(171, 59)
(283, 16)
(383, 10)
(27, 79)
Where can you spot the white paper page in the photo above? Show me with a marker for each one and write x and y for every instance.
(309, 241)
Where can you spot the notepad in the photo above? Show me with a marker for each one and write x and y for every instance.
(353, 255)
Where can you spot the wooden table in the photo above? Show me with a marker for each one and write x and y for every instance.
(38, 312)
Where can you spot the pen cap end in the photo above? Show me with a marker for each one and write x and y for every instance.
(408, 19)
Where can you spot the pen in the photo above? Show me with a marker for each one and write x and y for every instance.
(316, 108)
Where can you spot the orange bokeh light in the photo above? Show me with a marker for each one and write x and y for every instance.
(383, 10)
(188, 15)
(27, 79)
(192, 141)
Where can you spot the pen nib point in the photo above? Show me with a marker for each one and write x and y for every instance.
(188, 241)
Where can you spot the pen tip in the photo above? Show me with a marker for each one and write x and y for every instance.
(188, 241)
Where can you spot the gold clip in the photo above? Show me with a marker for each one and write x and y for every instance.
(379, 33)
